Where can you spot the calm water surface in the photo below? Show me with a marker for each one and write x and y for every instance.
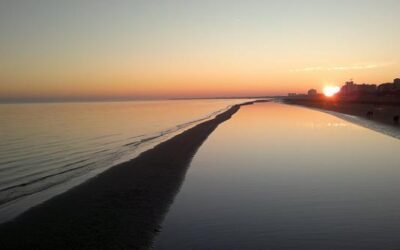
(284, 177)
(47, 148)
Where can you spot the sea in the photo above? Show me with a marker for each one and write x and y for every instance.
(48, 148)
(278, 176)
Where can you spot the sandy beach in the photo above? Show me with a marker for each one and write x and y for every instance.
(383, 113)
(120, 208)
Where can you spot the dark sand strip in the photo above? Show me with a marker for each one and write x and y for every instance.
(121, 208)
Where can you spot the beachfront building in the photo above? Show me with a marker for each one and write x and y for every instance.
(348, 88)
(396, 83)
(312, 92)
(367, 88)
(390, 88)
(351, 88)
(385, 87)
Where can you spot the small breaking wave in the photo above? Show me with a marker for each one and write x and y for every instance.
(56, 171)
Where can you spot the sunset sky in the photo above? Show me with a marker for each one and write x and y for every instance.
(159, 49)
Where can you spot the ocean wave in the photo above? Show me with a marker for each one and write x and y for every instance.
(60, 170)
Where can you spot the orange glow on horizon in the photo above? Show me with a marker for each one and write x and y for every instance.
(330, 91)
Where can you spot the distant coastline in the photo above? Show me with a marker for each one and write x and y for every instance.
(118, 99)
(378, 109)
(380, 103)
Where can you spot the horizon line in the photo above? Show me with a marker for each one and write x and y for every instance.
(113, 99)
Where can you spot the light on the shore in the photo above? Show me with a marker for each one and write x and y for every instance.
(331, 90)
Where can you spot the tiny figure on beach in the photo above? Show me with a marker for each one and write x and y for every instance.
(396, 119)
(370, 114)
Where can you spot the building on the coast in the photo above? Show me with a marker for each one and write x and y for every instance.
(348, 88)
(292, 94)
(385, 87)
(312, 92)
(389, 87)
(396, 83)
(351, 88)
(367, 88)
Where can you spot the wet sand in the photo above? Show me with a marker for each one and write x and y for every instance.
(382, 113)
(120, 208)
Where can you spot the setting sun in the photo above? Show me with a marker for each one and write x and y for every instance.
(331, 90)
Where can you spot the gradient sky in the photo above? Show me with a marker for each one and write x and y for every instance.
(151, 49)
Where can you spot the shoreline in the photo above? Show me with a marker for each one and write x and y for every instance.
(79, 163)
(381, 113)
(121, 207)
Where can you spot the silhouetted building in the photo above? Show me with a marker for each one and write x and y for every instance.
(348, 88)
(396, 83)
(367, 88)
(385, 87)
(292, 94)
(390, 87)
(351, 88)
(312, 92)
